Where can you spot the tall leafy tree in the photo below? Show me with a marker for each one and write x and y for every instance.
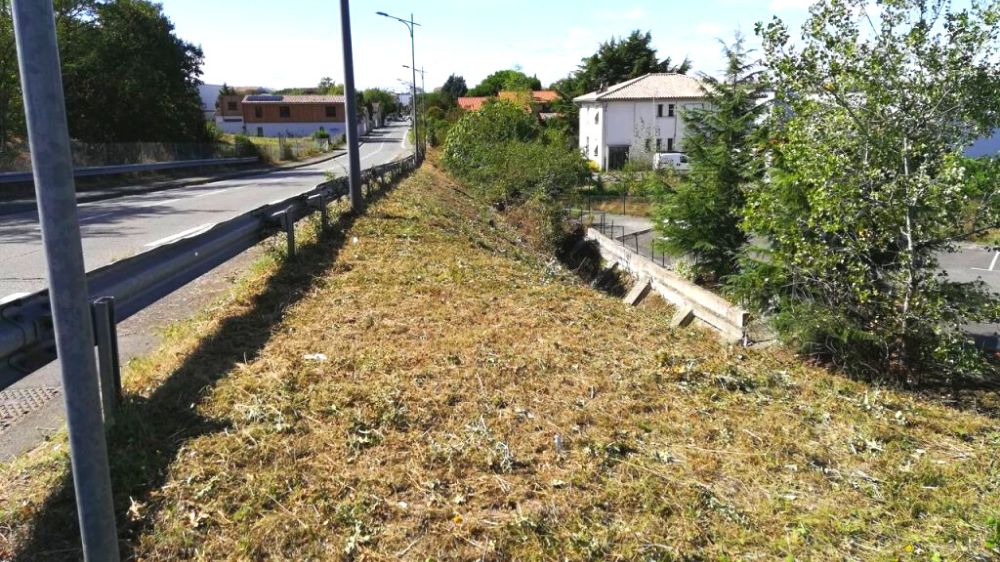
(455, 87)
(874, 108)
(11, 109)
(618, 60)
(501, 80)
(376, 95)
(702, 218)
(153, 95)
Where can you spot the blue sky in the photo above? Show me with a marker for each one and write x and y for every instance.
(296, 42)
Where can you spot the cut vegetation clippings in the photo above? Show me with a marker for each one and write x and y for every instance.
(475, 402)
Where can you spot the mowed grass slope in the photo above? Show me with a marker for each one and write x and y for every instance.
(477, 401)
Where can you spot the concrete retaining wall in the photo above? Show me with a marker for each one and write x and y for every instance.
(728, 319)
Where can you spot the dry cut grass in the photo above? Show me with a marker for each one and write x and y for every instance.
(473, 400)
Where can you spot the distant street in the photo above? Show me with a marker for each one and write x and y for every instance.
(118, 228)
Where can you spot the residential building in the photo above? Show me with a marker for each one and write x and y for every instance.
(209, 94)
(637, 118)
(277, 115)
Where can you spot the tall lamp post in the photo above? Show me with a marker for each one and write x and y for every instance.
(410, 25)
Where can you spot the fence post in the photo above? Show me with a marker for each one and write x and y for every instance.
(108, 360)
(52, 163)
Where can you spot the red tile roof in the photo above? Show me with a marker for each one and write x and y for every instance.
(471, 103)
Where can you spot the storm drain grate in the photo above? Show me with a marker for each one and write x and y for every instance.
(19, 402)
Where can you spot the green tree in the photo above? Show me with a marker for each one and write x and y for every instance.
(11, 109)
(501, 80)
(618, 60)
(153, 95)
(455, 86)
(372, 96)
(702, 218)
(866, 186)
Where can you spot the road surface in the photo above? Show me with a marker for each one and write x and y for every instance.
(117, 228)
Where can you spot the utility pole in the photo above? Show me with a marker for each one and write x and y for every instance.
(353, 155)
(52, 163)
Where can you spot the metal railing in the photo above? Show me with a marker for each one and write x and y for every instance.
(27, 338)
(20, 177)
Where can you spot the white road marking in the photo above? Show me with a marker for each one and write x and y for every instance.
(993, 263)
(380, 147)
(180, 235)
(13, 297)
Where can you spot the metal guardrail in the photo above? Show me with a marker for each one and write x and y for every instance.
(27, 339)
(19, 177)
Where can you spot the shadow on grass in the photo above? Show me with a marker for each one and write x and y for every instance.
(583, 257)
(150, 433)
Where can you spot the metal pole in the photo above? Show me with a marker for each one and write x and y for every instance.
(413, 67)
(108, 361)
(357, 201)
(52, 163)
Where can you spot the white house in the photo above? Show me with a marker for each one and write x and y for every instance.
(639, 117)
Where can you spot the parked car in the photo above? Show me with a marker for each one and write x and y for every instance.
(674, 160)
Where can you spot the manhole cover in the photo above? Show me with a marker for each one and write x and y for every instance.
(19, 402)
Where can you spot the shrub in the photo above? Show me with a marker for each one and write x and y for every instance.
(245, 147)
(501, 151)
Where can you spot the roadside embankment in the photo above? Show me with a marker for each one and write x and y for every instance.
(421, 384)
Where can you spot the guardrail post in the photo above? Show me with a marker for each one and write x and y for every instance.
(108, 360)
(52, 164)
(289, 225)
(324, 214)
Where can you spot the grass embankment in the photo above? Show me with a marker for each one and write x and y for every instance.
(477, 401)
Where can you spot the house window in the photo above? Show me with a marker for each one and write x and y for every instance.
(331, 111)
(231, 105)
(649, 144)
(659, 144)
(597, 118)
(659, 110)
(670, 110)
(258, 112)
(285, 112)
(260, 131)
(595, 151)
(670, 144)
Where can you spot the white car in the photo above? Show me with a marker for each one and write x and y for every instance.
(674, 160)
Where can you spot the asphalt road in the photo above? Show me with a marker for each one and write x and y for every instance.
(117, 228)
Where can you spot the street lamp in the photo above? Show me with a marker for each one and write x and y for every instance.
(410, 25)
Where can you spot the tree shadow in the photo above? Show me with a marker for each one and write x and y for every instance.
(150, 433)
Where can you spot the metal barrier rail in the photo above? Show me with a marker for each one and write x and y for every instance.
(20, 177)
(27, 340)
